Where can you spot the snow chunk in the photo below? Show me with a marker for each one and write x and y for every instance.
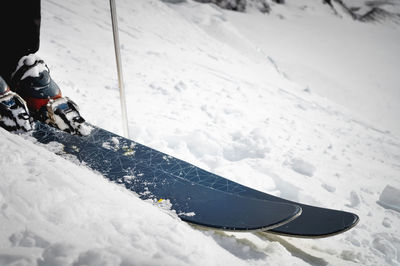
(97, 257)
(35, 71)
(390, 198)
(180, 86)
(115, 141)
(354, 199)
(58, 254)
(247, 146)
(386, 223)
(112, 144)
(85, 129)
(188, 214)
(29, 60)
(28, 239)
(388, 245)
(302, 167)
(329, 188)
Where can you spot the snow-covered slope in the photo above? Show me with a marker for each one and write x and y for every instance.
(205, 86)
(352, 63)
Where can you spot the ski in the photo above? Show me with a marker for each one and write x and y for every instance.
(161, 178)
(197, 196)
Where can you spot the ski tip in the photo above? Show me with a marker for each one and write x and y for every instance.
(291, 212)
(338, 225)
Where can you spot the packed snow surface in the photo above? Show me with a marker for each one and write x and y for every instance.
(300, 103)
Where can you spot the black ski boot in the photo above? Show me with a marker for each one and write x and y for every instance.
(33, 83)
(14, 114)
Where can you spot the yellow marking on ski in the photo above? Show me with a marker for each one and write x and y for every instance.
(75, 148)
(160, 200)
(128, 151)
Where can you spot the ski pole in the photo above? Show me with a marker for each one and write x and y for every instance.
(114, 20)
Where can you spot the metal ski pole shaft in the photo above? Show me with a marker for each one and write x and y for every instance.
(119, 67)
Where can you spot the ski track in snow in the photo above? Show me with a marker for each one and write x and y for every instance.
(200, 90)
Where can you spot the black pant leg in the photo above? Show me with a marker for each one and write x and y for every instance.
(19, 32)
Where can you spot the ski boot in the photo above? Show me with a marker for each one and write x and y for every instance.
(33, 83)
(14, 114)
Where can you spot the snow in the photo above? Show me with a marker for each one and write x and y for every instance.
(390, 198)
(29, 60)
(63, 214)
(351, 63)
(300, 103)
(302, 167)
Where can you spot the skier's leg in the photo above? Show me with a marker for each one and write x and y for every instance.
(20, 28)
(26, 73)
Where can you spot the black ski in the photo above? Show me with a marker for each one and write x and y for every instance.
(153, 174)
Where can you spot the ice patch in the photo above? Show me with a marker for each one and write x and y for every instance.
(390, 198)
